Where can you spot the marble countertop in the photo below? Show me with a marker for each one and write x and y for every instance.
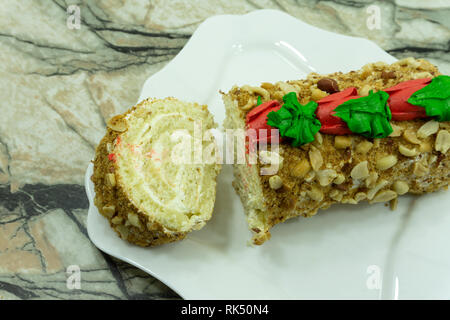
(60, 81)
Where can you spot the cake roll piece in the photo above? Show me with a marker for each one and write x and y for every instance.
(148, 192)
(348, 155)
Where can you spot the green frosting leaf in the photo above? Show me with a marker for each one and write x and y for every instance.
(368, 116)
(259, 101)
(295, 120)
(435, 98)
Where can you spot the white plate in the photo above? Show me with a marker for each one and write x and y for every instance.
(338, 254)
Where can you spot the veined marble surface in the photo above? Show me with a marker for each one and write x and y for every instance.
(59, 85)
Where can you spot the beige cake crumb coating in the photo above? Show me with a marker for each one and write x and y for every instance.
(341, 169)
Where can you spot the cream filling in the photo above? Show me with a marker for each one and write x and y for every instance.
(157, 184)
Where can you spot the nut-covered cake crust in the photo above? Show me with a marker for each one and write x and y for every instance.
(341, 169)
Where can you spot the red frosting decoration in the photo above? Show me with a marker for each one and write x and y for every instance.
(257, 119)
(398, 100)
(325, 110)
(112, 157)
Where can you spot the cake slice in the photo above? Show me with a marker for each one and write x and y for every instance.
(405, 149)
(147, 182)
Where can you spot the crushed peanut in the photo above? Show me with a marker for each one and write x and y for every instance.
(117, 220)
(401, 187)
(393, 204)
(360, 171)
(325, 177)
(340, 178)
(380, 185)
(315, 157)
(429, 128)
(117, 123)
(315, 194)
(372, 179)
(426, 147)
(407, 152)
(396, 131)
(301, 169)
(317, 94)
(420, 169)
(336, 195)
(411, 137)
(360, 196)
(386, 162)
(364, 147)
(342, 142)
(384, 196)
(134, 220)
(275, 182)
(109, 210)
(442, 143)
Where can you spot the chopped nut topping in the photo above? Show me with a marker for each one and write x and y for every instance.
(401, 187)
(336, 195)
(301, 169)
(269, 157)
(117, 123)
(396, 131)
(366, 71)
(360, 171)
(363, 147)
(411, 137)
(117, 220)
(407, 152)
(318, 138)
(393, 204)
(360, 196)
(111, 178)
(442, 143)
(388, 75)
(134, 220)
(123, 231)
(342, 142)
(275, 182)
(340, 178)
(372, 179)
(364, 91)
(109, 210)
(258, 90)
(420, 169)
(315, 194)
(432, 159)
(317, 94)
(315, 157)
(410, 61)
(422, 75)
(429, 128)
(384, 196)
(380, 185)
(426, 147)
(310, 176)
(386, 162)
(326, 176)
(349, 200)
